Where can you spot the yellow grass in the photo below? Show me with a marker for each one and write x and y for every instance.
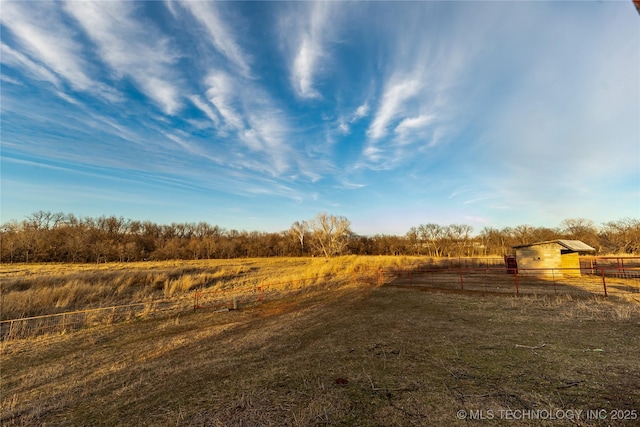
(38, 289)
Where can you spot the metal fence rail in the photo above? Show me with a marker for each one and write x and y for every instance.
(602, 281)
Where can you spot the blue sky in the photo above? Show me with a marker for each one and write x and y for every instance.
(254, 115)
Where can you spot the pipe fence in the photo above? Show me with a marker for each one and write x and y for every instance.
(571, 281)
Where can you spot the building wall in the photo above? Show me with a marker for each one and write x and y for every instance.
(539, 256)
(571, 261)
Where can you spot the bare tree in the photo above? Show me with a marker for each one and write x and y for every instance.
(622, 235)
(330, 234)
(523, 234)
(298, 230)
(431, 234)
(581, 229)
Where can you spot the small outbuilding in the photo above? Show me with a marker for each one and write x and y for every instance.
(555, 258)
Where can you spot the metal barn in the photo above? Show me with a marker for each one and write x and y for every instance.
(557, 258)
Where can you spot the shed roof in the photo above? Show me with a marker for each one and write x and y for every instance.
(572, 245)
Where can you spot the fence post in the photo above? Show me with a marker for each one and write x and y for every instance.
(604, 282)
(460, 271)
(10, 330)
(515, 277)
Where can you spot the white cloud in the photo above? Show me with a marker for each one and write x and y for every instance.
(43, 35)
(222, 92)
(392, 105)
(351, 185)
(270, 134)
(249, 113)
(17, 59)
(307, 39)
(138, 51)
(343, 127)
(206, 109)
(412, 125)
(209, 15)
(50, 50)
(373, 154)
(191, 148)
(361, 112)
(304, 67)
(8, 79)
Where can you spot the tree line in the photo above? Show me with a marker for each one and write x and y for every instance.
(58, 237)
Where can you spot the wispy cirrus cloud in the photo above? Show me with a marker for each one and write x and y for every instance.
(241, 109)
(397, 92)
(17, 59)
(419, 90)
(221, 37)
(344, 122)
(361, 112)
(411, 128)
(8, 79)
(207, 109)
(238, 105)
(306, 36)
(304, 66)
(50, 49)
(222, 93)
(43, 35)
(139, 52)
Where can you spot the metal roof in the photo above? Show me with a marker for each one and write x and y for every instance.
(572, 245)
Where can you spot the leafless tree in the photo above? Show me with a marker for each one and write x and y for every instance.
(431, 235)
(622, 235)
(330, 234)
(299, 230)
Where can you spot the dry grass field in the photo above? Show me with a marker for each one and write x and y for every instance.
(340, 353)
(39, 289)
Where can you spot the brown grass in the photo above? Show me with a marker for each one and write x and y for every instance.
(38, 289)
(351, 355)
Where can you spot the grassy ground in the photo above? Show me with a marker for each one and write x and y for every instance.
(348, 355)
(39, 289)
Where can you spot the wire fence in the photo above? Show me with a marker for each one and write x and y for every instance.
(73, 320)
(218, 299)
(244, 296)
(482, 275)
